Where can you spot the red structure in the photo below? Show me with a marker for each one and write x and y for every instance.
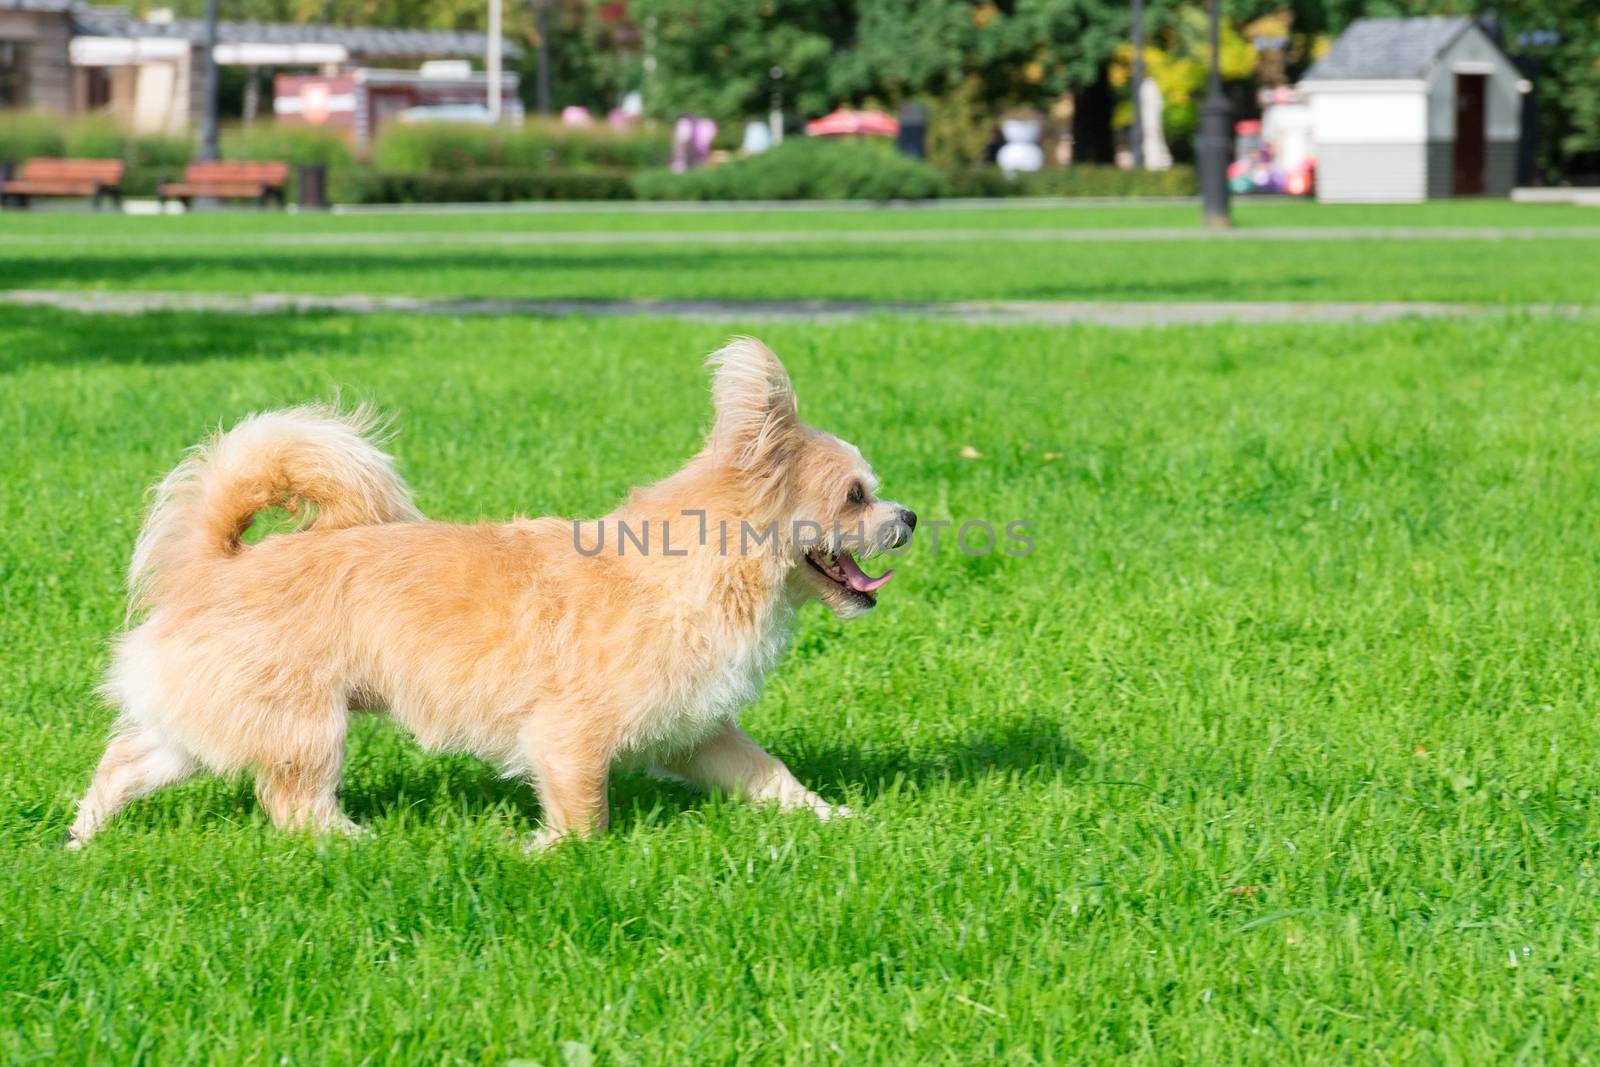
(360, 102)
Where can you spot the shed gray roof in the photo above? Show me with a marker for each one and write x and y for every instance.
(1384, 49)
(357, 40)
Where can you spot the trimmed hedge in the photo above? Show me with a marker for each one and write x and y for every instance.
(802, 169)
(1106, 180)
(486, 186)
(542, 160)
(826, 175)
(141, 180)
(539, 144)
(153, 158)
(295, 145)
(26, 134)
(287, 144)
(1083, 179)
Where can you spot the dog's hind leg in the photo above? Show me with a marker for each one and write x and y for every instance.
(137, 762)
(297, 780)
(728, 760)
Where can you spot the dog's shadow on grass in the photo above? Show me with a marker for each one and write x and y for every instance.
(382, 788)
(1032, 746)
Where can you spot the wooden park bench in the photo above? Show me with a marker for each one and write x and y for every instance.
(260, 182)
(64, 177)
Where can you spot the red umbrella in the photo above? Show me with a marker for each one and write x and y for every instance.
(847, 123)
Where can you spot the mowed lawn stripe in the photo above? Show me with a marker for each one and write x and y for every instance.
(801, 216)
(1480, 271)
(1135, 314)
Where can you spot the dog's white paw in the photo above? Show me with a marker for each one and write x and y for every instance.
(826, 811)
(542, 840)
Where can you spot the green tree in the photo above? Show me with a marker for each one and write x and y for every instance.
(720, 57)
(594, 57)
(972, 61)
(970, 58)
(1025, 53)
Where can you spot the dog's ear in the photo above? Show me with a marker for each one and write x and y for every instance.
(756, 413)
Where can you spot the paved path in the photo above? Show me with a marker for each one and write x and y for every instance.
(689, 238)
(1077, 234)
(1100, 313)
(943, 204)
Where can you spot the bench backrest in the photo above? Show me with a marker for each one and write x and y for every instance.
(104, 171)
(230, 172)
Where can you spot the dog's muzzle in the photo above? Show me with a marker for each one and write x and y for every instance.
(900, 530)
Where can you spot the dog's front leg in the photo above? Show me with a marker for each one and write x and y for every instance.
(728, 760)
(572, 774)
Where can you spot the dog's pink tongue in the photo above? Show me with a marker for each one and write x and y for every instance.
(857, 578)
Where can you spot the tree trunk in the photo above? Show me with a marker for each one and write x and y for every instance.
(1092, 139)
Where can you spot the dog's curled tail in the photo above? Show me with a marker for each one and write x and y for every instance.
(316, 462)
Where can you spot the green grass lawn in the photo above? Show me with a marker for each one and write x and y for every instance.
(556, 217)
(667, 255)
(1281, 747)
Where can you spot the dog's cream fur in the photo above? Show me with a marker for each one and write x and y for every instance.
(500, 640)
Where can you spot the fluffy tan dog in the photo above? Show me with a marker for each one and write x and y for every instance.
(524, 644)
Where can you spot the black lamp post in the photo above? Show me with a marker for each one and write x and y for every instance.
(208, 117)
(1214, 146)
(1135, 83)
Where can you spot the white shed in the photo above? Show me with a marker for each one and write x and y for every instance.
(1404, 110)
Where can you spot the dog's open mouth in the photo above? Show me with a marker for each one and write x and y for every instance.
(843, 571)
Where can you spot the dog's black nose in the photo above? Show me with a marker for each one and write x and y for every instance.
(908, 517)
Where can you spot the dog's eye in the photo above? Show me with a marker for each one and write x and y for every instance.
(858, 494)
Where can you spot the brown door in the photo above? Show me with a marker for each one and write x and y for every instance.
(1470, 154)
